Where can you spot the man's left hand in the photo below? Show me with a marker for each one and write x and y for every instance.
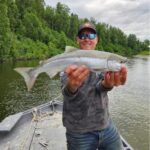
(115, 78)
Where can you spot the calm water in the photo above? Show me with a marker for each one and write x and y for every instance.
(129, 104)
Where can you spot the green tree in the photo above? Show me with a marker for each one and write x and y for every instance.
(49, 17)
(5, 34)
(13, 15)
(113, 35)
(73, 28)
(22, 6)
(33, 27)
(132, 42)
(103, 34)
(146, 45)
(62, 19)
(38, 7)
(62, 41)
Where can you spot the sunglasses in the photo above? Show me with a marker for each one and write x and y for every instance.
(89, 36)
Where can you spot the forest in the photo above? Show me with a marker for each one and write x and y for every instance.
(29, 29)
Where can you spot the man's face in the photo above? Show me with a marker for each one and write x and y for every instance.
(87, 39)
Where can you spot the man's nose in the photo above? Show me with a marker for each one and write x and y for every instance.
(86, 38)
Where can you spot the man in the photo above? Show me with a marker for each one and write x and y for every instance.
(85, 110)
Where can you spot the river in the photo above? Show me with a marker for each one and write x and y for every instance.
(129, 104)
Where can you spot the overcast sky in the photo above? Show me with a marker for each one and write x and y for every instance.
(131, 16)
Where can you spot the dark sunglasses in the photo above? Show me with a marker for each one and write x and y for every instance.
(89, 36)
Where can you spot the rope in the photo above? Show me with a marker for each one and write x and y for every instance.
(22, 146)
(37, 116)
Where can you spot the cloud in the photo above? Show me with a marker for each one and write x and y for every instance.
(131, 16)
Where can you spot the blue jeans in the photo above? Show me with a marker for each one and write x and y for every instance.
(106, 139)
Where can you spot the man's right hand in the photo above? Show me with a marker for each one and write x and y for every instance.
(76, 76)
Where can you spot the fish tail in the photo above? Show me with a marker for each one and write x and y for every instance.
(28, 75)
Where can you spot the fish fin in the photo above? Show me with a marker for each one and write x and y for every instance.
(51, 74)
(29, 77)
(70, 49)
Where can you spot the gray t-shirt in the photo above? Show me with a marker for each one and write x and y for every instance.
(87, 109)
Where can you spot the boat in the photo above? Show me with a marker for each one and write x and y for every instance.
(39, 128)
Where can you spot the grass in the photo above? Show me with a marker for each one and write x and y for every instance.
(146, 52)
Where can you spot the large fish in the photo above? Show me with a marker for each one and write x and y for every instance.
(97, 61)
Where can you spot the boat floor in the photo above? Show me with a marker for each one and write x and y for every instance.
(38, 130)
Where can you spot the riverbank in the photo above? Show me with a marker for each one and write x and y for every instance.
(141, 56)
(20, 60)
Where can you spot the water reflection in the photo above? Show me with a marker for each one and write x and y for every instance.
(14, 96)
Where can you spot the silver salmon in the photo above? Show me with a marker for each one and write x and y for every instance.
(97, 61)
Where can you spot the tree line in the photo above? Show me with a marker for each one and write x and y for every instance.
(31, 29)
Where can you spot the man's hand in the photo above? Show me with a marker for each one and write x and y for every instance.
(115, 78)
(76, 76)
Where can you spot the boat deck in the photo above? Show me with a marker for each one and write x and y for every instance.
(36, 129)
